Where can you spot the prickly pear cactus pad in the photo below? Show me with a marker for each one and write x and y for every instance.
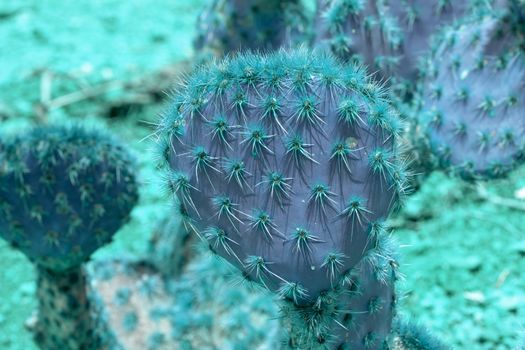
(287, 166)
(390, 36)
(64, 192)
(475, 129)
(201, 309)
(231, 25)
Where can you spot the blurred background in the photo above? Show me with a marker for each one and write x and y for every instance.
(112, 62)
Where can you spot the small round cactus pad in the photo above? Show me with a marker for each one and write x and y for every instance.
(287, 166)
(64, 192)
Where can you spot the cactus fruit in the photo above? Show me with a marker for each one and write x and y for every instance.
(475, 130)
(231, 25)
(287, 165)
(64, 192)
(390, 36)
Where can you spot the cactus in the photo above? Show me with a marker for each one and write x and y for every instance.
(390, 36)
(64, 192)
(410, 336)
(287, 166)
(477, 131)
(231, 25)
(170, 247)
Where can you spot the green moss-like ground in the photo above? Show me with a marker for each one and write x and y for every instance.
(464, 262)
(462, 255)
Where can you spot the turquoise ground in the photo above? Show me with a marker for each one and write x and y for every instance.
(462, 253)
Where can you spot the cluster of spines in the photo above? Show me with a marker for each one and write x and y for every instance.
(340, 13)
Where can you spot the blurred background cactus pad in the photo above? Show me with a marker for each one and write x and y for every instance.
(233, 25)
(477, 130)
(390, 36)
(287, 164)
(64, 192)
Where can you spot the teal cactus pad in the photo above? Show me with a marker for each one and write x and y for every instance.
(64, 192)
(476, 130)
(287, 165)
(389, 36)
(232, 25)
